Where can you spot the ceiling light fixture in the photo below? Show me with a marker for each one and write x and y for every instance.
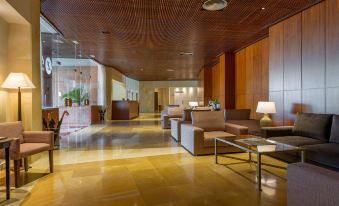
(214, 5)
(92, 56)
(141, 69)
(186, 53)
(170, 70)
(262, 8)
(75, 42)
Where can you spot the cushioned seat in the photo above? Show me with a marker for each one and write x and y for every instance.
(326, 154)
(210, 136)
(28, 149)
(296, 140)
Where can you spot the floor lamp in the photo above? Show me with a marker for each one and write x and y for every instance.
(18, 81)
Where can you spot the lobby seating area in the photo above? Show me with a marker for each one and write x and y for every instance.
(169, 103)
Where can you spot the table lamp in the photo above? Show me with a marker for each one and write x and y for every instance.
(193, 104)
(266, 108)
(18, 81)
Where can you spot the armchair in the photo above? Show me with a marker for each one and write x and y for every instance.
(198, 137)
(25, 144)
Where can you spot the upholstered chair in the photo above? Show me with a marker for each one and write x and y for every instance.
(25, 144)
(198, 137)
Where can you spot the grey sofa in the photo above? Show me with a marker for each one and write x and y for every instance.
(198, 137)
(318, 134)
(311, 185)
(241, 117)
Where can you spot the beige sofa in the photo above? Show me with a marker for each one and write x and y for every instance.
(170, 112)
(186, 119)
(198, 137)
(241, 118)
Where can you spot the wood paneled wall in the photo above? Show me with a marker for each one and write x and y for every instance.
(251, 76)
(304, 62)
(218, 81)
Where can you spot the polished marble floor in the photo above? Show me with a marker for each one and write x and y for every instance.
(134, 163)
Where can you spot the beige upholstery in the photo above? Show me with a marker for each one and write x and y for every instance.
(205, 119)
(170, 112)
(198, 137)
(241, 117)
(176, 128)
(210, 136)
(25, 144)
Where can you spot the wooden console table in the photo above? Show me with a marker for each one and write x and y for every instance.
(125, 110)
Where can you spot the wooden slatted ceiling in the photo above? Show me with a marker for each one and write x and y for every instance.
(150, 34)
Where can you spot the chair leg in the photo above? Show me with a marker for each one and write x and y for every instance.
(16, 173)
(50, 153)
(26, 164)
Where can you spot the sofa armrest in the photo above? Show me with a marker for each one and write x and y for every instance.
(191, 137)
(268, 132)
(39, 137)
(236, 129)
(311, 185)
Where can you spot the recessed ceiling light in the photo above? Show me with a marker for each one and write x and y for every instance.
(214, 5)
(141, 69)
(262, 8)
(186, 53)
(170, 70)
(75, 42)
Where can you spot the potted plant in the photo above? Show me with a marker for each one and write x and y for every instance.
(214, 103)
(76, 95)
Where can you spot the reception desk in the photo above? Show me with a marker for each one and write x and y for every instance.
(125, 110)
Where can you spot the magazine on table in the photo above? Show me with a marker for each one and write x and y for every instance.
(255, 141)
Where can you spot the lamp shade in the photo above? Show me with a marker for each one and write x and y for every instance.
(266, 107)
(16, 80)
(193, 104)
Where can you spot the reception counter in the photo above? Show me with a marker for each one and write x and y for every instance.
(125, 110)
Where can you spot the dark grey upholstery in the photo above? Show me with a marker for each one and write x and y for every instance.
(317, 126)
(309, 185)
(268, 132)
(237, 114)
(326, 154)
(296, 140)
(335, 129)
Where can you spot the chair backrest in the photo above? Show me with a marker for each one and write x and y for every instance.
(12, 130)
(209, 120)
(237, 114)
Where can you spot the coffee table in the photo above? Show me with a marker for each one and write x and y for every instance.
(257, 148)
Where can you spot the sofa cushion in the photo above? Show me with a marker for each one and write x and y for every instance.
(335, 129)
(253, 125)
(237, 114)
(326, 154)
(27, 149)
(174, 111)
(316, 126)
(209, 121)
(296, 140)
(12, 130)
(210, 136)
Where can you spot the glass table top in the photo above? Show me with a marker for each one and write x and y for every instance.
(257, 144)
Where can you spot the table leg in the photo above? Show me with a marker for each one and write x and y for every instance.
(250, 157)
(8, 183)
(259, 171)
(215, 150)
(302, 156)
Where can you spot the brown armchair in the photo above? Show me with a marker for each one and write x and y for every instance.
(25, 144)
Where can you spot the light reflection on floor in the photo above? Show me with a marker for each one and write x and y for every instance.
(138, 163)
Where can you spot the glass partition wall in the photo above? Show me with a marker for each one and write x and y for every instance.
(71, 82)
